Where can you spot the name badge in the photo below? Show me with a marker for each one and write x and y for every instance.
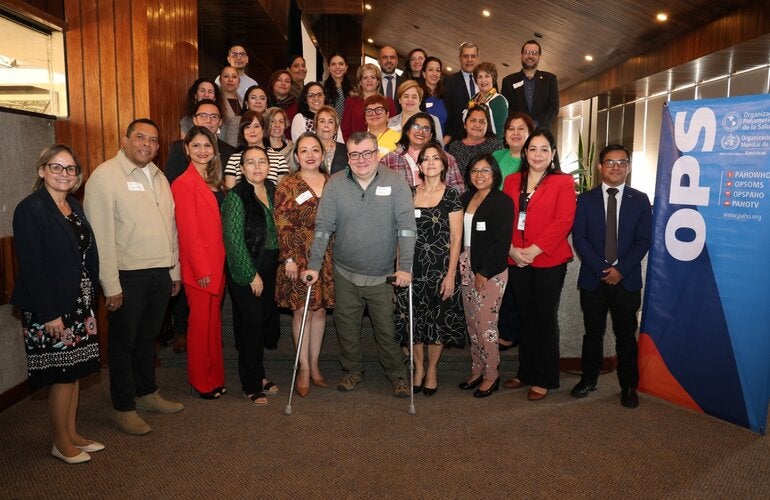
(417, 213)
(135, 186)
(481, 225)
(522, 220)
(428, 104)
(518, 84)
(303, 197)
(382, 191)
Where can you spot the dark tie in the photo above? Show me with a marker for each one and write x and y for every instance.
(389, 87)
(471, 86)
(611, 240)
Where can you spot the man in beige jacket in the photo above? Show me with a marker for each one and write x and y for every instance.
(129, 205)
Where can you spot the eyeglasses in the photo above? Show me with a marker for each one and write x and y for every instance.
(313, 95)
(481, 171)
(531, 52)
(366, 155)
(374, 111)
(208, 116)
(416, 127)
(616, 163)
(237, 54)
(57, 168)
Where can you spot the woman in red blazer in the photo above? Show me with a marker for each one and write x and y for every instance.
(544, 208)
(197, 195)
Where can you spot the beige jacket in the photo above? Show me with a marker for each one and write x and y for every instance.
(133, 221)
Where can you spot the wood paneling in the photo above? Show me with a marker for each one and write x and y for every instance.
(9, 268)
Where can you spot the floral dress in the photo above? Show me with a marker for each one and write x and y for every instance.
(436, 321)
(65, 357)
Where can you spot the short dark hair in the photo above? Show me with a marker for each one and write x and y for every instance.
(532, 42)
(404, 140)
(441, 154)
(304, 135)
(484, 109)
(490, 68)
(146, 121)
(246, 119)
(203, 102)
(246, 95)
(497, 174)
(440, 85)
(293, 58)
(541, 132)
(613, 147)
(518, 115)
(361, 136)
(377, 99)
(193, 91)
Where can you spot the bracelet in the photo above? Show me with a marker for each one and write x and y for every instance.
(289, 260)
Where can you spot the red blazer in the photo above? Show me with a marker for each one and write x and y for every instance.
(550, 214)
(199, 224)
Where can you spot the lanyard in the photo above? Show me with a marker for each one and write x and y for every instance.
(523, 196)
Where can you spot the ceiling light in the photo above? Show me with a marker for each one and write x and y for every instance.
(589, 57)
(368, 6)
(449, 68)
(370, 40)
(485, 13)
(662, 16)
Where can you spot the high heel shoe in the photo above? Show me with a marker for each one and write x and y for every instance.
(482, 394)
(215, 394)
(302, 389)
(319, 382)
(429, 391)
(77, 459)
(466, 386)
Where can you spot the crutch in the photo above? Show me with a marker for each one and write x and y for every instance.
(412, 411)
(287, 411)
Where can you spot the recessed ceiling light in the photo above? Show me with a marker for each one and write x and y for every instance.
(485, 13)
(662, 16)
(449, 68)
(589, 57)
(370, 40)
(368, 6)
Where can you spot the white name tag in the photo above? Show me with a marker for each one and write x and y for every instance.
(135, 186)
(303, 197)
(428, 104)
(522, 220)
(481, 226)
(518, 84)
(382, 191)
(417, 213)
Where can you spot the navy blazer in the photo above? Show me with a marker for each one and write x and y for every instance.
(49, 257)
(489, 246)
(545, 102)
(456, 100)
(634, 237)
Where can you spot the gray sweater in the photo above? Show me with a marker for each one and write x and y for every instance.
(368, 226)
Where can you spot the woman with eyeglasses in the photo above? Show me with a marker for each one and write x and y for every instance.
(296, 204)
(376, 116)
(338, 86)
(417, 133)
(433, 90)
(409, 96)
(327, 128)
(477, 140)
(485, 75)
(251, 243)
(310, 100)
(252, 133)
(544, 200)
(255, 99)
(58, 266)
(487, 226)
(368, 81)
(439, 319)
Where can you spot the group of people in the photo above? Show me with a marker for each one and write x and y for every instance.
(443, 188)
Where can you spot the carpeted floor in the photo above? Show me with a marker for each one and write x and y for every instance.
(364, 444)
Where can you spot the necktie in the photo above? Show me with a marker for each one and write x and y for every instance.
(471, 86)
(389, 87)
(611, 239)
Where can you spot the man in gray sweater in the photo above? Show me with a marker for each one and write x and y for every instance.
(369, 210)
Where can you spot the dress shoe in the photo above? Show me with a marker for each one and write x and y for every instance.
(130, 422)
(466, 386)
(504, 345)
(215, 394)
(482, 394)
(429, 391)
(77, 459)
(302, 390)
(319, 382)
(533, 395)
(582, 389)
(513, 383)
(155, 402)
(629, 398)
(92, 447)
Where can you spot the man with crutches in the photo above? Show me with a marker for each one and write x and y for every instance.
(368, 208)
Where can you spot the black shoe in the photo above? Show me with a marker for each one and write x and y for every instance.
(210, 395)
(629, 398)
(416, 388)
(482, 394)
(466, 386)
(582, 389)
(505, 347)
(429, 391)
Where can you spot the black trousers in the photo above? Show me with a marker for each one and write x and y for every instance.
(537, 292)
(255, 323)
(508, 323)
(622, 306)
(133, 330)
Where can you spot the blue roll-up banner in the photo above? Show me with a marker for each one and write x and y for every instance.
(705, 333)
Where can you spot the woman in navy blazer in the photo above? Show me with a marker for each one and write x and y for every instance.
(197, 195)
(58, 267)
(487, 224)
(544, 198)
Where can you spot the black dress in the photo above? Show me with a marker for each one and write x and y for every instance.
(436, 321)
(64, 358)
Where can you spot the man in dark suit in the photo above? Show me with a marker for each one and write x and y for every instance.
(458, 90)
(612, 234)
(530, 90)
(388, 60)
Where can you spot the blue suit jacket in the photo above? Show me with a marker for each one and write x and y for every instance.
(634, 237)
